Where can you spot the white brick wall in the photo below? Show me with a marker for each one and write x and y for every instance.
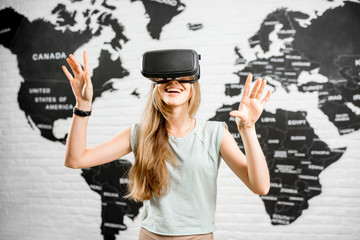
(42, 199)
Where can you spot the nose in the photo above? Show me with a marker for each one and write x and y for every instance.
(174, 81)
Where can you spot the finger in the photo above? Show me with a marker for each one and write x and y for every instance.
(260, 92)
(266, 98)
(76, 63)
(255, 88)
(72, 66)
(87, 79)
(238, 114)
(86, 64)
(67, 73)
(247, 85)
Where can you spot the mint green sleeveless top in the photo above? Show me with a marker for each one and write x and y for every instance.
(189, 207)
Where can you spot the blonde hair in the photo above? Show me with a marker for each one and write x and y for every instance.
(149, 174)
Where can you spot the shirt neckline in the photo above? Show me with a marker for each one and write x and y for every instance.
(178, 139)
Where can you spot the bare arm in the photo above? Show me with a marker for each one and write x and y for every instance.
(76, 155)
(252, 169)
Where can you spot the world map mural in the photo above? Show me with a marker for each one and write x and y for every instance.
(296, 155)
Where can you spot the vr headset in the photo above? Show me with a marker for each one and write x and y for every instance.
(173, 64)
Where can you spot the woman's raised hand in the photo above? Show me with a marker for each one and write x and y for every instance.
(81, 82)
(251, 107)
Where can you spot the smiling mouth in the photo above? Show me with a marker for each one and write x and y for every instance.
(173, 90)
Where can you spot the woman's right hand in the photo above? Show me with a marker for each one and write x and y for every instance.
(81, 82)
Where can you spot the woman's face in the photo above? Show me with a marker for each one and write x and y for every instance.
(174, 92)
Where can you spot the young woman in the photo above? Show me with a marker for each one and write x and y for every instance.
(176, 155)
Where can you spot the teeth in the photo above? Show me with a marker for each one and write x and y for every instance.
(173, 90)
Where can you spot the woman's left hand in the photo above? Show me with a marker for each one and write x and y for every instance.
(250, 107)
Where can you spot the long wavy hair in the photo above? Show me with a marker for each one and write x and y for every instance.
(149, 174)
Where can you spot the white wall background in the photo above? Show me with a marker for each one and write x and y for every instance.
(42, 199)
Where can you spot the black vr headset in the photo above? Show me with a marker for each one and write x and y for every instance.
(173, 64)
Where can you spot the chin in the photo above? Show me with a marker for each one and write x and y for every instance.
(174, 101)
(175, 104)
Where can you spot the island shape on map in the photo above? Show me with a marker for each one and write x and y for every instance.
(160, 12)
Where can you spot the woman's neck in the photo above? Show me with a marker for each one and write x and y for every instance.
(179, 123)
